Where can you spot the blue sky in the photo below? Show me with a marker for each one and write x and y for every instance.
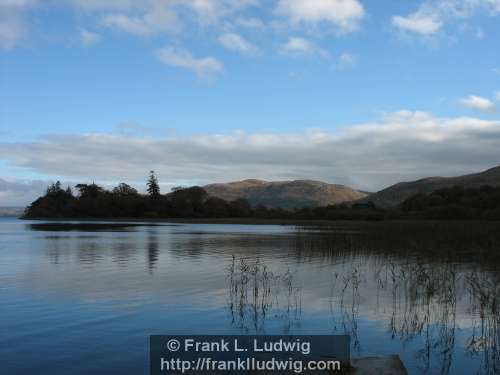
(360, 92)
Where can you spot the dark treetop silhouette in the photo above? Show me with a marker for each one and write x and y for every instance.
(93, 201)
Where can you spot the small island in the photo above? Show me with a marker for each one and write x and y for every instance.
(92, 201)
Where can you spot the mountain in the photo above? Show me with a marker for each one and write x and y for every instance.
(11, 211)
(285, 194)
(396, 194)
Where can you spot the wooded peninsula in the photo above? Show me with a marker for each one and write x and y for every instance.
(92, 201)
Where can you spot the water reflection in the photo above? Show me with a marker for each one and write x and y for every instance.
(153, 250)
(255, 292)
(485, 339)
(123, 251)
(89, 253)
(428, 292)
(422, 308)
(86, 226)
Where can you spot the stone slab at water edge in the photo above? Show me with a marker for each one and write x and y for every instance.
(390, 365)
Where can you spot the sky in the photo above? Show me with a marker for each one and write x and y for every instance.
(357, 92)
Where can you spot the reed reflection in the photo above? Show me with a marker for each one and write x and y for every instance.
(436, 282)
(256, 294)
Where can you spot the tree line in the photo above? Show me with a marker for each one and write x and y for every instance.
(124, 201)
(456, 202)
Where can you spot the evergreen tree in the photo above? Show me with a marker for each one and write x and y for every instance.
(54, 188)
(153, 187)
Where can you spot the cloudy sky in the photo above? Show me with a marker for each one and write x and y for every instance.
(359, 92)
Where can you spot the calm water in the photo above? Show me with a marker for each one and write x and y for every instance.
(85, 300)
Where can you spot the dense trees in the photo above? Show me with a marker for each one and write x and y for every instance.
(55, 200)
(455, 202)
(123, 201)
(124, 190)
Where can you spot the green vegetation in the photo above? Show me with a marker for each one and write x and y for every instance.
(93, 201)
(455, 203)
(433, 271)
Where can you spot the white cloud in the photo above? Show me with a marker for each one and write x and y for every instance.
(206, 67)
(19, 4)
(159, 19)
(497, 96)
(204, 8)
(12, 24)
(88, 38)
(149, 17)
(18, 193)
(153, 17)
(346, 59)
(121, 5)
(400, 146)
(250, 23)
(478, 103)
(432, 15)
(418, 23)
(209, 11)
(236, 42)
(12, 31)
(296, 46)
(132, 25)
(344, 14)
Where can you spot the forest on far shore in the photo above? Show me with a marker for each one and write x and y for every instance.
(91, 201)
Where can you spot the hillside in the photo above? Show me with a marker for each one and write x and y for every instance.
(396, 194)
(285, 194)
(11, 211)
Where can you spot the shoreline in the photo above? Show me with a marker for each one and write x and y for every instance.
(229, 221)
(254, 221)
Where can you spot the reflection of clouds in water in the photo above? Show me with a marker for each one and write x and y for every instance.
(350, 278)
(257, 295)
(426, 302)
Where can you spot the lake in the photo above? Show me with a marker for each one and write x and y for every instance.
(84, 298)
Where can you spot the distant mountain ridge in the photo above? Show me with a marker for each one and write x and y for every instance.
(285, 194)
(397, 193)
(11, 211)
(309, 193)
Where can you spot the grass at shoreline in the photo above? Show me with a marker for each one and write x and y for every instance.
(250, 221)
